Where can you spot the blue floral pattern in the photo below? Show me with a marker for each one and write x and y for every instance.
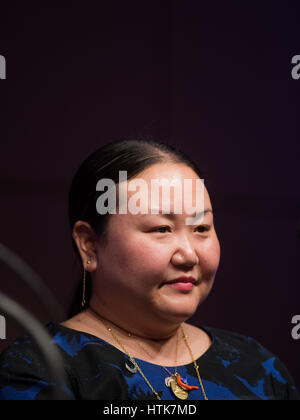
(235, 367)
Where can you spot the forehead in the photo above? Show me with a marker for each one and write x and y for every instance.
(175, 173)
(175, 180)
(169, 170)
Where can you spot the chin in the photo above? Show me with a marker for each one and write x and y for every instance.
(181, 313)
(177, 306)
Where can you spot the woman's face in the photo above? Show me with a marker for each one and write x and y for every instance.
(144, 252)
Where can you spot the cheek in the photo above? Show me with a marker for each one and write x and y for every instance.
(138, 256)
(148, 257)
(212, 257)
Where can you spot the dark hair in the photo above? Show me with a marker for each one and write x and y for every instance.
(132, 156)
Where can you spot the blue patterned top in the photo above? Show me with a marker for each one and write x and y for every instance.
(235, 367)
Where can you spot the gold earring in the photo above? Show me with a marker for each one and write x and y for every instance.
(83, 301)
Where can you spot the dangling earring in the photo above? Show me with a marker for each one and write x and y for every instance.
(83, 301)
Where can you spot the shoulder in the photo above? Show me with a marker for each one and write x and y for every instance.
(69, 341)
(223, 337)
(242, 346)
(246, 357)
(24, 372)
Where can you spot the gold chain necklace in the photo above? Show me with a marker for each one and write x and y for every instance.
(174, 381)
(179, 388)
(149, 355)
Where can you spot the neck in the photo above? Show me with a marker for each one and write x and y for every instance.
(145, 330)
(165, 348)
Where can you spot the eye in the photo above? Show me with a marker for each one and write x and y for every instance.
(161, 229)
(203, 228)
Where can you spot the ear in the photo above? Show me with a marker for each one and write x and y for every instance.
(85, 238)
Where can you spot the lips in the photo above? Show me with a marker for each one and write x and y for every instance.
(183, 283)
(182, 280)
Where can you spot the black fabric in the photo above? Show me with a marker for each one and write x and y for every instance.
(235, 367)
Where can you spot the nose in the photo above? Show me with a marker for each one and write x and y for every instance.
(185, 254)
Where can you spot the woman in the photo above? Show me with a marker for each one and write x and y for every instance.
(144, 275)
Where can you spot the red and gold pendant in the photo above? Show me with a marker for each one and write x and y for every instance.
(178, 387)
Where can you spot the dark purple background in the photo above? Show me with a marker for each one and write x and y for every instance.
(213, 79)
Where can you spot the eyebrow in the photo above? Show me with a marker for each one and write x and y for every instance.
(172, 214)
